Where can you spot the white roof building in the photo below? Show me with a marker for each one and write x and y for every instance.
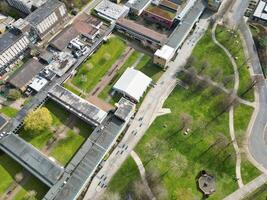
(132, 83)
(261, 11)
(166, 52)
(38, 83)
(111, 11)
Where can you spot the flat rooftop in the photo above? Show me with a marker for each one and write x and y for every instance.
(162, 13)
(182, 30)
(75, 104)
(33, 160)
(26, 73)
(84, 164)
(137, 4)
(261, 10)
(140, 29)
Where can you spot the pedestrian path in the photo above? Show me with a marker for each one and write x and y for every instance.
(247, 189)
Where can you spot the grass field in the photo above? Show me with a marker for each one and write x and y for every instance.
(9, 111)
(91, 72)
(231, 40)
(219, 65)
(8, 169)
(145, 65)
(33, 184)
(177, 158)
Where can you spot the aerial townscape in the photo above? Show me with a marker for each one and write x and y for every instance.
(133, 99)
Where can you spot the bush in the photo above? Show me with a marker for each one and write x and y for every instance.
(13, 94)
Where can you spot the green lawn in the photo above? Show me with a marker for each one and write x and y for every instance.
(33, 184)
(69, 145)
(9, 111)
(259, 194)
(177, 159)
(231, 40)
(128, 63)
(91, 72)
(72, 89)
(242, 115)
(124, 178)
(219, 66)
(8, 169)
(39, 140)
(147, 67)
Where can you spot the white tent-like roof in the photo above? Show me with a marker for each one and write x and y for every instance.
(132, 83)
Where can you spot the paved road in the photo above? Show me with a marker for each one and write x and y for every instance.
(248, 188)
(148, 111)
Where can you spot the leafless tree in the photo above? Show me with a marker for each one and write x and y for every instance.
(186, 121)
(108, 195)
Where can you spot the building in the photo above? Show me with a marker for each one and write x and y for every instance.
(251, 7)
(12, 46)
(89, 19)
(110, 11)
(26, 6)
(260, 13)
(146, 36)
(214, 4)
(162, 16)
(179, 34)
(125, 109)
(23, 77)
(164, 55)
(38, 83)
(132, 84)
(47, 17)
(4, 22)
(138, 6)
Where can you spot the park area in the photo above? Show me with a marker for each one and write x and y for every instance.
(91, 71)
(195, 136)
(60, 141)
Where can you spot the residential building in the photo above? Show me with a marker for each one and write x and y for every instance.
(146, 36)
(132, 84)
(23, 77)
(12, 45)
(26, 6)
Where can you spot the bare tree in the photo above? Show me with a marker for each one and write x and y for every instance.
(203, 66)
(108, 195)
(186, 121)
(228, 79)
(190, 61)
(139, 190)
(18, 177)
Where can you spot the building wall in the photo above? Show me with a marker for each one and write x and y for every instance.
(13, 52)
(157, 19)
(49, 23)
(160, 61)
(21, 6)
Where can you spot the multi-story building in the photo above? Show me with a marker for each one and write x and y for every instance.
(12, 45)
(26, 6)
(46, 18)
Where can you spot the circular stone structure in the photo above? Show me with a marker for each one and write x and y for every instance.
(206, 183)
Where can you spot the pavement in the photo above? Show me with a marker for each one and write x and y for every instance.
(247, 189)
(148, 111)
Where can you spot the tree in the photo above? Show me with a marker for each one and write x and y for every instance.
(13, 94)
(38, 120)
(186, 120)
(203, 66)
(108, 195)
(31, 195)
(139, 190)
(19, 177)
(190, 61)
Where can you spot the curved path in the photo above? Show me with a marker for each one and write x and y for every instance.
(231, 112)
(142, 171)
(257, 146)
